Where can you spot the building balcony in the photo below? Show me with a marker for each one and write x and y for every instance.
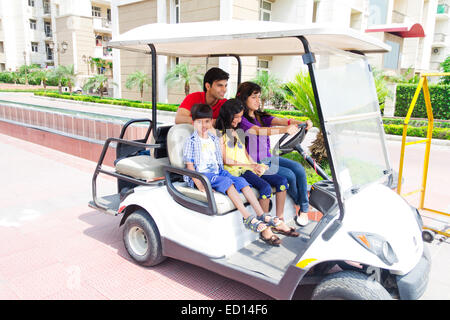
(102, 25)
(440, 40)
(102, 52)
(47, 9)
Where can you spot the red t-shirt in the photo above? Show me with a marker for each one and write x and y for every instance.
(200, 97)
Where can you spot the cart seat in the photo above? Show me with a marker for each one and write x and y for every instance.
(175, 143)
(142, 167)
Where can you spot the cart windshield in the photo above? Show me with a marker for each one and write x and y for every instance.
(352, 119)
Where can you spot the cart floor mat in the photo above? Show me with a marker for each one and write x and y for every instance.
(111, 202)
(268, 260)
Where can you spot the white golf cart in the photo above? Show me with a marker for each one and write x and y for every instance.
(356, 251)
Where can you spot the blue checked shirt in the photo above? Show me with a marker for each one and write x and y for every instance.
(192, 150)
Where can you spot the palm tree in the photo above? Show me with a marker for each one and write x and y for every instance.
(270, 85)
(301, 96)
(41, 76)
(70, 75)
(59, 73)
(138, 79)
(97, 83)
(182, 73)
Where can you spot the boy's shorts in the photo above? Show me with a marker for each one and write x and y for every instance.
(223, 180)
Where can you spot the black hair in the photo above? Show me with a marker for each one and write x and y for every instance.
(214, 74)
(201, 111)
(245, 90)
(227, 112)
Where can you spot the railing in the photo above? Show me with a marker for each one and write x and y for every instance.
(439, 37)
(47, 8)
(101, 23)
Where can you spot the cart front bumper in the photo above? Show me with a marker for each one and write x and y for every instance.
(412, 285)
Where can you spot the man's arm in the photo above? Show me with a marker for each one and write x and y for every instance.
(183, 116)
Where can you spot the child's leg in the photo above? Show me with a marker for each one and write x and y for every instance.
(280, 184)
(264, 188)
(236, 199)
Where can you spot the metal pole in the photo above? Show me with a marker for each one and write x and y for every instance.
(426, 94)
(154, 87)
(308, 59)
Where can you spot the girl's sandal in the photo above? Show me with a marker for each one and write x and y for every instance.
(259, 226)
(273, 221)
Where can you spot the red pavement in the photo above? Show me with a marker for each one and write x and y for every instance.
(53, 246)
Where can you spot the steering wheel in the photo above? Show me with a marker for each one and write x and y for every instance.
(288, 145)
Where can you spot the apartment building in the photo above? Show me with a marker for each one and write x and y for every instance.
(417, 30)
(54, 32)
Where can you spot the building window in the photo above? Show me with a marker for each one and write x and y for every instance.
(175, 11)
(391, 58)
(33, 24)
(47, 7)
(378, 12)
(49, 52)
(108, 14)
(263, 66)
(96, 11)
(2, 49)
(98, 41)
(48, 29)
(31, 3)
(2, 67)
(34, 47)
(265, 10)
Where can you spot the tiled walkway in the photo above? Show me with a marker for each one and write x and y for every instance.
(53, 246)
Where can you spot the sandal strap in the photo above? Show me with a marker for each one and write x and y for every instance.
(255, 225)
(271, 222)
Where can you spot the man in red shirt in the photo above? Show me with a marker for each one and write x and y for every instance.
(215, 85)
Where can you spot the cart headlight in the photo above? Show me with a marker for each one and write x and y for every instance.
(377, 245)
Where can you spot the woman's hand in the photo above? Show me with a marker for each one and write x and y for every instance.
(292, 129)
(309, 124)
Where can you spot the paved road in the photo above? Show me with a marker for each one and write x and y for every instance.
(55, 247)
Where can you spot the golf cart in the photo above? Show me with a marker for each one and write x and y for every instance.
(356, 250)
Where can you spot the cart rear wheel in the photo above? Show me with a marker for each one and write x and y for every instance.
(349, 285)
(142, 240)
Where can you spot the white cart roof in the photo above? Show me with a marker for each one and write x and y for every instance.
(244, 38)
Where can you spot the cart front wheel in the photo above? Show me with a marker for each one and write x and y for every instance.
(142, 240)
(428, 235)
(349, 285)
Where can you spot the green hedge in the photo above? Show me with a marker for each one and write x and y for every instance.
(438, 133)
(440, 101)
(416, 122)
(113, 101)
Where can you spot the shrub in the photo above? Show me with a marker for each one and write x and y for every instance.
(440, 101)
(6, 77)
(438, 133)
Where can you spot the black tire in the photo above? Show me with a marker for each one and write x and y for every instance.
(142, 240)
(428, 236)
(349, 285)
